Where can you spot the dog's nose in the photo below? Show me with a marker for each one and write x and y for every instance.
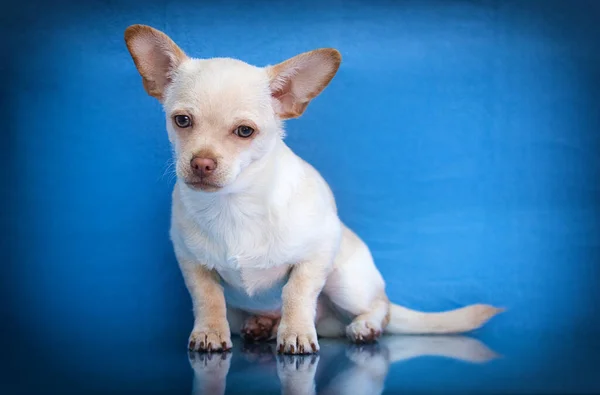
(203, 166)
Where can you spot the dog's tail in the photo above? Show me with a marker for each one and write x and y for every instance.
(411, 322)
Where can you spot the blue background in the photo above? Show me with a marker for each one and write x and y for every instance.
(459, 137)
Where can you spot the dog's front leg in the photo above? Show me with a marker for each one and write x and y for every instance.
(211, 329)
(297, 333)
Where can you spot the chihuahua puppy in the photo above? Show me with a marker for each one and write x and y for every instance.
(255, 228)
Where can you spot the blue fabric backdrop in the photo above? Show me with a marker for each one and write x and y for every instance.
(479, 122)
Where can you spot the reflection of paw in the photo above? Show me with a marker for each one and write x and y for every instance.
(297, 368)
(210, 365)
(361, 353)
(210, 372)
(297, 340)
(297, 363)
(210, 340)
(363, 331)
(257, 329)
(297, 373)
(370, 357)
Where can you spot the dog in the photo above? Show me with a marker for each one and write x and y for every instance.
(255, 228)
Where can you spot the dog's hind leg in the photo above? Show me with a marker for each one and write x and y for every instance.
(251, 327)
(369, 326)
(259, 328)
(356, 287)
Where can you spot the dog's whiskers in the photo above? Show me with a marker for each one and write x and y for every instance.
(169, 170)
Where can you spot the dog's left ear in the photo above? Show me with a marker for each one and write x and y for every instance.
(295, 82)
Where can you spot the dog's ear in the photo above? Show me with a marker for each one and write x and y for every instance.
(295, 82)
(155, 55)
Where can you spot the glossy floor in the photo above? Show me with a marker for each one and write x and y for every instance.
(425, 364)
(492, 363)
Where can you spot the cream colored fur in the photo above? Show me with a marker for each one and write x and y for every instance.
(260, 235)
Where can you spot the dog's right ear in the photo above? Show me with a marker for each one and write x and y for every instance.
(155, 55)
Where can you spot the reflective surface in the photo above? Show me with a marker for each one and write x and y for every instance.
(338, 369)
(490, 361)
(404, 364)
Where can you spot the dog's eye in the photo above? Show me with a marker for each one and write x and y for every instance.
(244, 131)
(183, 121)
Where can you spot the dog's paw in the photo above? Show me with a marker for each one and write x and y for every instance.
(297, 340)
(362, 331)
(259, 328)
(210, 340)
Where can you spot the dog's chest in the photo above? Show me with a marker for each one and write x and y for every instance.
(251, 253)
(254, 290)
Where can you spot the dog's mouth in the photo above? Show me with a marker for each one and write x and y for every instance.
(202, 185)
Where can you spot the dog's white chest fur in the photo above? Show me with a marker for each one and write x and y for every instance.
(237, 240)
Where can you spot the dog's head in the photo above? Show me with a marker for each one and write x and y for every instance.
(223, 115)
